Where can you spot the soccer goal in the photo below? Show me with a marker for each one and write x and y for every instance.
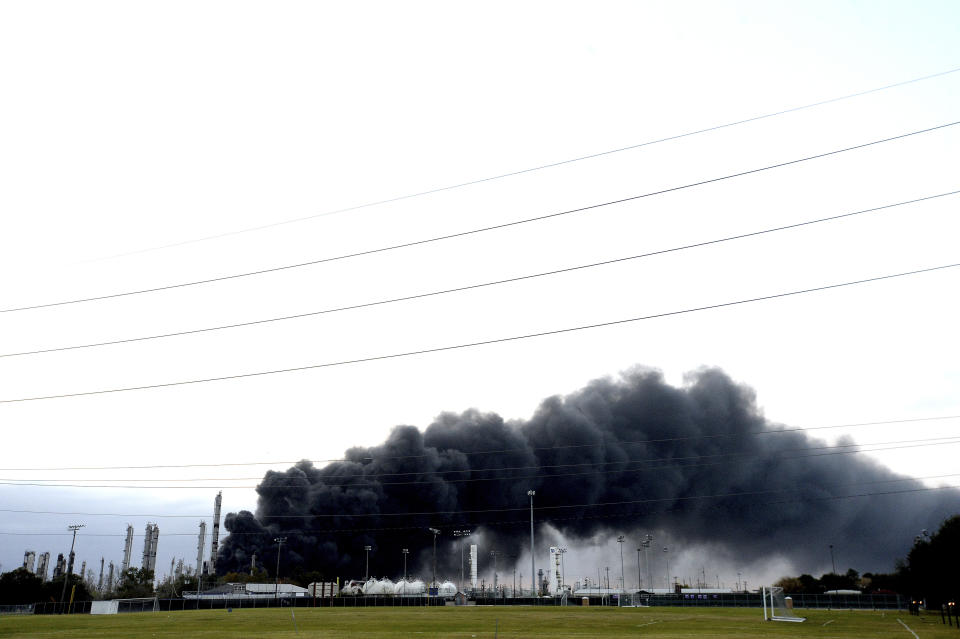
(633, 600)
(777, 607)
(135, 604)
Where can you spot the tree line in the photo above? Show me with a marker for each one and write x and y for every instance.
(926, 573)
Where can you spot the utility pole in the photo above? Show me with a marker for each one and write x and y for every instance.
(406, 551)
(66, 578)
(276, 590)
(533, 557)
(367, 550)
(435, 533)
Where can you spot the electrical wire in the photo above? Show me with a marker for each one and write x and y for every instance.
(475, 286)
(542, 519)
(544, 166)
(359, 483)
(496, 451)
(339, 476)
(477, 230)
(499, 340)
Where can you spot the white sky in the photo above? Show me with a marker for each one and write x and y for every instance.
(126, 127)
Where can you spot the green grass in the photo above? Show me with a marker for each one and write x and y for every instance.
(473, 623)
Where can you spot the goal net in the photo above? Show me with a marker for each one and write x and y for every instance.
(136, 604)
(777, 607)
(634, 600)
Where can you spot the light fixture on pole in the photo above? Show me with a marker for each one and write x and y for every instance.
(406, 551)
(435, 533)
(639, 581)
(465, 532)
(533, 556)
(623, 584)
(276, 590)
(666, 556)
(645, 544)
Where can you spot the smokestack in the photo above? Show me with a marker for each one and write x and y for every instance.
(43, 566)
(215, 541)
(150, 538)
(127, 550)
(200, 546)
(28, 560)
(154, 539)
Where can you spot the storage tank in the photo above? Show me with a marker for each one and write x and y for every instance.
(410, 588)
(447, 589)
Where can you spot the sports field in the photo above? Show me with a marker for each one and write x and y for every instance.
(475, 622)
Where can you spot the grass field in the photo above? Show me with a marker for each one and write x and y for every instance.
(474, 623)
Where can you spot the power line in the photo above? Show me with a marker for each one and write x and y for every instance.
(482, 284)
(686, 498)
(473, 231)
(545, 166)
(499, 340)
(940, 441)
(500, 469)
(494, 451)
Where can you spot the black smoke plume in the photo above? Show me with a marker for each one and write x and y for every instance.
(628, 455)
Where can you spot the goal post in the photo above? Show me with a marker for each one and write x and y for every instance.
(778, 607)
(134, 604)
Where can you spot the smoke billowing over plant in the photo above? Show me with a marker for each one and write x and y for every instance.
(699, 463)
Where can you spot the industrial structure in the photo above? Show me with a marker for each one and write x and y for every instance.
(29, 557)
(200, 541)
(61, 568)
(214, 544)
(43, 566)
(150, 538)
(127, 550)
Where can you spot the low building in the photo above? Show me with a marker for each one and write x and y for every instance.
(248, 591)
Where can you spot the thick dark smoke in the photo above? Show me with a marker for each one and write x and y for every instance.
(781, 494)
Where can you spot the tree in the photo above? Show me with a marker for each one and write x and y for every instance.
(928, 571)
(20, 586)
(136, 582)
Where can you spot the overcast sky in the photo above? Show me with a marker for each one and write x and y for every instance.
(150, 144)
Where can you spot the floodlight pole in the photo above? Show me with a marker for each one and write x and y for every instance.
(461, 534)
(74, 528)
(623, 583)
(276, 590)
(533, 557)
(406, 551)
(435, 533)
(366, 549)
(639, 582)
(666, 555)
